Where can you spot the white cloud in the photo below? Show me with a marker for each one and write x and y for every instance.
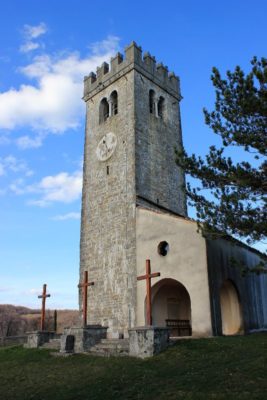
(53, 103)
(29, 46)
(53, 106)
(63, 187)
(18, 187)
(15, 165)
(105, 46)
(32, 32)
(26, 142)
(40, 66)
(64, 217)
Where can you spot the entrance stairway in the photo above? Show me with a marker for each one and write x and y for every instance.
(105, 348)
(111, 347)
(52, 344)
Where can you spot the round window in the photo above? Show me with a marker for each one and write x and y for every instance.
(163, 248)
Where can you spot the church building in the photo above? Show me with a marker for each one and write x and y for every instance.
(134, 209)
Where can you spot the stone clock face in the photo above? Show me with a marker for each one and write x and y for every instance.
(106, 146)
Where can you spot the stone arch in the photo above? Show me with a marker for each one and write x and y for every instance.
(171, 301)
(114, 102)
(103, 110)
(231, 310)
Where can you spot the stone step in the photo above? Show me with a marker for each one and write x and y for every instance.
(99, 351)
(111, 347)
(112, 350)
(52, 344)
(116, 341)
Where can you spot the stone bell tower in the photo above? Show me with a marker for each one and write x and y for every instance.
(132, 128)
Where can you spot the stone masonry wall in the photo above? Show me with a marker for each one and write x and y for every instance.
(143, 165)
(108, 214)
(158, 178)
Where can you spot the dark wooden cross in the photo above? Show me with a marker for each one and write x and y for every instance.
(148, 277)
(43, 296)
(84, 285)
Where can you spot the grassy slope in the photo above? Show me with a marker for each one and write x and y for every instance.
(219, 368)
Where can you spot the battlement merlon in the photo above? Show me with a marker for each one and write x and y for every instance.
(119, 66)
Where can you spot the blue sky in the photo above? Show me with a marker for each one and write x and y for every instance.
(45, 50)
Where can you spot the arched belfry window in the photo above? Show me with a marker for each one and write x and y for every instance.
(114, 102)
(161, 107)
(152, 101)
(103, 110)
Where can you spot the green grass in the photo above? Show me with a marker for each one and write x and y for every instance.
(218, 368)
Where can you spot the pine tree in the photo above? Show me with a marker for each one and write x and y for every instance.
(231, 197)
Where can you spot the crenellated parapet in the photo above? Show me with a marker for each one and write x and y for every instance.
(133, 59)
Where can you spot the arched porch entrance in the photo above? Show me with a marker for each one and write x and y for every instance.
(171, 306)
(231, 314)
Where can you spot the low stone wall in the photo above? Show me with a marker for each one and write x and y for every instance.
(12, 340)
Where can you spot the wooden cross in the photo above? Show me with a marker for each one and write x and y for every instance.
(148, 277)
(43, 296)
(84, 285)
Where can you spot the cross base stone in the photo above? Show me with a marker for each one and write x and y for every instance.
(38, 338)
(81, 339)
(146, 341)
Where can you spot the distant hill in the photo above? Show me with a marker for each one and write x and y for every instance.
(16, 320)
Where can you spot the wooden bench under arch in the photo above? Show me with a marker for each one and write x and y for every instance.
(179, 327)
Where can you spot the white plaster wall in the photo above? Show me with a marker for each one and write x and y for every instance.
(185, 262)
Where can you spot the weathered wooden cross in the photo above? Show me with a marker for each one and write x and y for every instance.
(84, 285)
(43, 296)
(148, 277)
